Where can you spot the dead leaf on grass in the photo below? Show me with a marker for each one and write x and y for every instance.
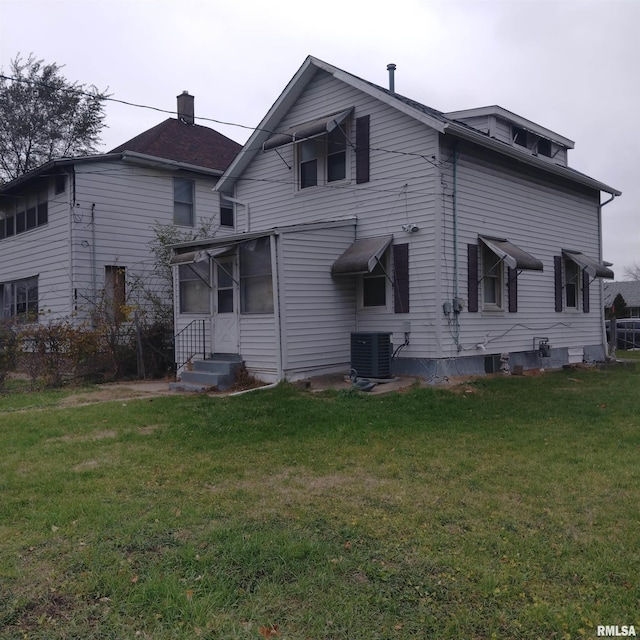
(272, 631)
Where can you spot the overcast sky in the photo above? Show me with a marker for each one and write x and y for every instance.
(568, 65)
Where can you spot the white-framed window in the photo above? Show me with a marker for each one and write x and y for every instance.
(374, 291)
(492, 278)
(322, 160)
(256, 283)
(24, 213)
(20, 300)
(572, 284)
(183, 202)
(194, 287)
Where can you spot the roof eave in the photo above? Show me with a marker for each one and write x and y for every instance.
(496, 145)
(135, 157)
(53, 164)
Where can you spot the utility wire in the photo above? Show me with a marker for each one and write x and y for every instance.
(107, 98)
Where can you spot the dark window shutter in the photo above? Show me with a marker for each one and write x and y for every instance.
(472, 277)
(512, 289)
(401, 278)
(585, 291)
(362, 149)
(557, 277)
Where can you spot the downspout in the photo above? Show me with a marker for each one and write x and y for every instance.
(602, 319)
(456, 312)
(72, 201)
(94, 267)
(275, 273)
(242, 204)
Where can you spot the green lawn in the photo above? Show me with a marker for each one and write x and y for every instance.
(507, 508)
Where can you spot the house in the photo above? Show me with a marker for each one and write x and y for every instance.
(76, 227)
(630, 291)
(373, 232)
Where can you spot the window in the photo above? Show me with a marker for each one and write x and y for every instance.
(226, 215)
(572, 277)
(544, 147)
(115, 291)
(336, 155)
(256, 284)
(60, 184)
(323, 159)
(194, 287)
(20, 300)
(23, 213)
(519, 136)
(374, 288)
(224, 288)
(183, 202)
(492, 280)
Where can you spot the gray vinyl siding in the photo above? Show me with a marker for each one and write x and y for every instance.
(481, 123)
(318, 311)
(128, 200)
(43, 252)
(404, 187)
(259, 345)
(540, 215)
(270, 187)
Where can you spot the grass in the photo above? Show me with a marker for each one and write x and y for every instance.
(504, 509)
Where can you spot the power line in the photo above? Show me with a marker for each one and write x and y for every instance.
(107, 98)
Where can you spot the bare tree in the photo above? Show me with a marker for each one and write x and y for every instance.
(632, 272)
(44, 116)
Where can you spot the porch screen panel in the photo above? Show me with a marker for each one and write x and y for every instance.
(256, 284)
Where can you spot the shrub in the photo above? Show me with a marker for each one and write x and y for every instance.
(8, 352)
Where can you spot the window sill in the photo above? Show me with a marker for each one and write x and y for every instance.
(341, 183)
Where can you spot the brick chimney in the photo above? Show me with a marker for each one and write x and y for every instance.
(185, 108)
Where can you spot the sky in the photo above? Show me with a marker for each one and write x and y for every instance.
(568, 65)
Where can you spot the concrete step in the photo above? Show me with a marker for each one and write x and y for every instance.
(218, 373)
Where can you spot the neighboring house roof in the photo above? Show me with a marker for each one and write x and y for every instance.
(190, 143)
(172, 143)
(430, 117)
(630, 292)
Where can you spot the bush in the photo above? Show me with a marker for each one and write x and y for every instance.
(8, 352)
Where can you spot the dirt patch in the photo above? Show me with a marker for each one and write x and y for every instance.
(85, 466)
(88, 437)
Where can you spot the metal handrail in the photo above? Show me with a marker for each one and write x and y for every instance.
(192, 341)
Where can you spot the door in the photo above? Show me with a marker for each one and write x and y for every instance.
(225, 305)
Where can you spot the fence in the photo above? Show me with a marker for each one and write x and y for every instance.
(627, 333)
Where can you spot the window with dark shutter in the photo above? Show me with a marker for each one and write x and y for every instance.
(512, 289)
(362, 149)
(557, 279)
(401, 278)
(585, 291)
(472, 277)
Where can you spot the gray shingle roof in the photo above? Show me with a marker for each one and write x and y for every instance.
(630, 292)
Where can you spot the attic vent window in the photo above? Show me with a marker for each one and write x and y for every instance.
(544, 147)
(519, 136)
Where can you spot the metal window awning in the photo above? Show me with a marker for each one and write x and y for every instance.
(188, 258)
(307, 130)
(593, 268)
(513, 256)
(361, 257)
(199, 256)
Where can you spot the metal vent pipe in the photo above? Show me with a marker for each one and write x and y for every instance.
(392, 84)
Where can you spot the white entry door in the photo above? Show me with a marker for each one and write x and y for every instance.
(225, 305)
